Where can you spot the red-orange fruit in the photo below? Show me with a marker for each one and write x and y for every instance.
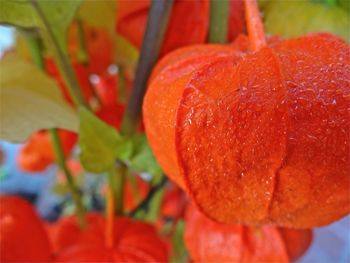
(236, 22)
(173, 203)
(22, 234)
(98, 45)
(66, 232)
(38, 153)
(107, 89)
(85, 253)
(82, 75)
(134, 194)
(188, 22)
(112, 115)
(260, 137)
(134, 241)
(208, 241)
(188, 25)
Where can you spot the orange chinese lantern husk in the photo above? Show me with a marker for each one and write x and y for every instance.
(38, 153)
(208, 241)
(99, 47)
(22, 233)
(133, 240)
(85, 253)
(260, 137)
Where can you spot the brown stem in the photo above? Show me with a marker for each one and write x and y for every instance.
(152, 40)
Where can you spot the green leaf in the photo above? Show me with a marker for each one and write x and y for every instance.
(18, 13)
(296, 18)
(99, 143)
(127, 54)
(154, 206)
(142, 159)
(58, 15)
(30, 101)
(49, 16)
(100, 13)
(345, 4)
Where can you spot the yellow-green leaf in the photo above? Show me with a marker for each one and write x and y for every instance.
(98, 143)
(142, 159)
(296, 18)
(99, 14)
(52, 17)
(30, 100)
(18, 13)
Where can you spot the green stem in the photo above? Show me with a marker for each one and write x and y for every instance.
(122, 92)
(119, 178)
(36, 51)
(82, 54)
(35, 46)
(132, 181)
(76, 195)
(62, 60)
(219, 13)
(155, 30)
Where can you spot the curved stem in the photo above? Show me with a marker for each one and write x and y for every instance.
(120, 181)
(36, 50)
(62, 61)
(35, 45)
(110, 209)
(82, 54)
(76, 195)
(255, 26)
(152, 192)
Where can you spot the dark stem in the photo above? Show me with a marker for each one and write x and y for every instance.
(62, 61)
(156, 27)
(145, 203)
(219, 13)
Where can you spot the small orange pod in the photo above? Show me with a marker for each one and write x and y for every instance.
(134, 241)
(22, 234)
(208, 241)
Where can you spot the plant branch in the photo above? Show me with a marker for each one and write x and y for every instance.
(120, 177)
(61, 59)
(110, 208)
(219, 13)
(76, 195)
(155, 30)
(82, 54)
(145, 203)
(35, 45)
(36, 51)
